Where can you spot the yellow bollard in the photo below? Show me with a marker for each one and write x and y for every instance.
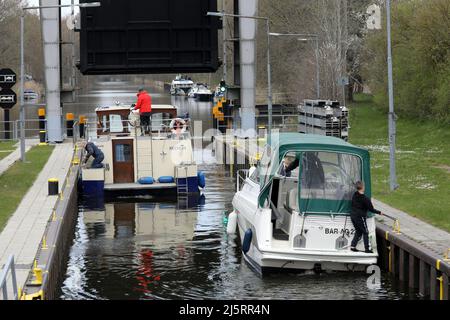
(44, 243)
(441, 287)
(397, 226)
(38, 276)
(446, 255)
(390, 260)
(54, 215)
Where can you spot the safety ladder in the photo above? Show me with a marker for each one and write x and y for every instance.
(181, 176)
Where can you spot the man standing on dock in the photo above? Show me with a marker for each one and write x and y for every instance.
(144, 105)
(360, 205)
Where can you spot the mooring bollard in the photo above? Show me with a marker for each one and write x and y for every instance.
(69, 124)
(53, 187)
(42, 128)
(82, 126)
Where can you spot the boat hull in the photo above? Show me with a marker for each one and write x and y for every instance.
(306, 260)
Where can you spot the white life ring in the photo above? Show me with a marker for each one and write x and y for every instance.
(175, 131)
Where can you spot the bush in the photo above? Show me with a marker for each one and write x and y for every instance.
(421, 60)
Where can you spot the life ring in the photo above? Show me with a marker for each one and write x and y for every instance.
(175, 130)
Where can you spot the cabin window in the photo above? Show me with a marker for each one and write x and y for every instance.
(123, 153)
(115, 123)
(329, 175)
(265, 164)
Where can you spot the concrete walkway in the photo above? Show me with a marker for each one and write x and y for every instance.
(24, 230)
(427, 235)
(8, 161)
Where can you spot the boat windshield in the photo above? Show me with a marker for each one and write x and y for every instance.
(324, 176)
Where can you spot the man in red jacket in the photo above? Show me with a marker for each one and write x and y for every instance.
(144, 105)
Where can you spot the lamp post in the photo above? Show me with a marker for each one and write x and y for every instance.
(305, 38)
(269, 81)
(392, 117)
(22, 64)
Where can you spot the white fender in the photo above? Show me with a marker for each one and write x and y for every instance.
(232, 223)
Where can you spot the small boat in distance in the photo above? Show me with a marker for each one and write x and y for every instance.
(181, 85)
(159, 161)
(300, 219)
(200, 92)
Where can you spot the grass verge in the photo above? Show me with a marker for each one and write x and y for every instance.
(15, 182)
(6, 147)
(422, 159)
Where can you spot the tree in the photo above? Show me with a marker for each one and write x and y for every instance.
(421, 60)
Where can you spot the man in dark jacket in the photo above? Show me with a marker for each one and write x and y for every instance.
(360, 205)
(144, 105)
(96, 153)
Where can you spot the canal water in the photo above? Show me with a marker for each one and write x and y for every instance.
(153, 249)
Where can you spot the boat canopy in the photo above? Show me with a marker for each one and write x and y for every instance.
(334, 157)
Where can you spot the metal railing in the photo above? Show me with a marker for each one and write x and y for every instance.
(157, 128)
(241, 176)
(9, 269)
(31, 129)
(283, 123)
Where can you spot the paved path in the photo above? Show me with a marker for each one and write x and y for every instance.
(429, 236)
(8, 161)
(24, 230)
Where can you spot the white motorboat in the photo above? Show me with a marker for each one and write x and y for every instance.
(181, 85)
(201, 92)
(300, 220)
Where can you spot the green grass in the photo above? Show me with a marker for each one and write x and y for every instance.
(6, 147)
(15, 182)
(423, 162)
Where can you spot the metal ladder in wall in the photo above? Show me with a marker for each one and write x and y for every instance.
(181, 178)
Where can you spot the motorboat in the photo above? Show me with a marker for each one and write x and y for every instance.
(158, 159)
(201, 92)
(300, 219)
(181, 85)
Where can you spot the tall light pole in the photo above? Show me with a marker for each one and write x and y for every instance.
(269, 74)
(392, 117)
(22, 64)
(304, 38)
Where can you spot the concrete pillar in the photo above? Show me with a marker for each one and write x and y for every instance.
(50, 37)
(247, 28)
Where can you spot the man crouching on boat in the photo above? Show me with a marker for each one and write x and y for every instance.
(360, 205)
(96, 153)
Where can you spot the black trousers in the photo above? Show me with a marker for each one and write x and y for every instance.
(360, 231)
(145, 121)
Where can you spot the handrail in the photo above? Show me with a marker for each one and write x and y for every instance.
(9, 266)
(241, 178)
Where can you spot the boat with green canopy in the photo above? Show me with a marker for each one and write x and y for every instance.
(293, 209)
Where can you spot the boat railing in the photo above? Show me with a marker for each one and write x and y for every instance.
(242, 175)
(158, 128)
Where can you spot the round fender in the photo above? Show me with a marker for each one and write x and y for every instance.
(201, 179)
(166, 179)
(247, 240)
